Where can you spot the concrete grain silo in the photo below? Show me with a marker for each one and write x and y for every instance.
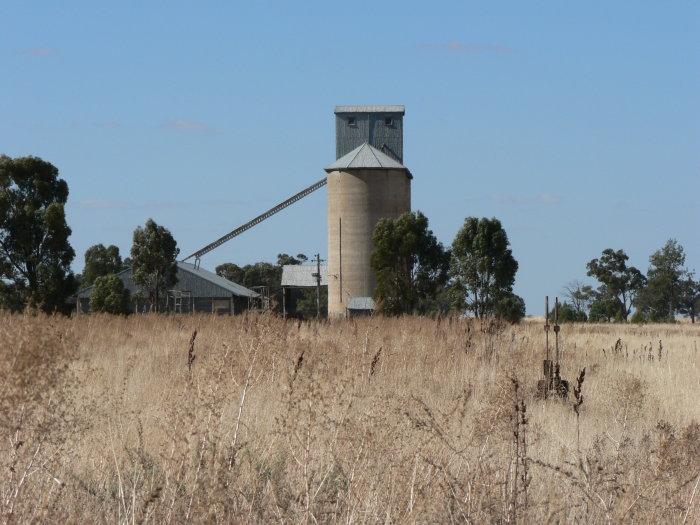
(366, 183)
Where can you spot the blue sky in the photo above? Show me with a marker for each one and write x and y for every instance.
(577, 124)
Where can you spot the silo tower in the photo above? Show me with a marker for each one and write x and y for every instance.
(367, 182)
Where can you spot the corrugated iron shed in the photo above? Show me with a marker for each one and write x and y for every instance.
(201, 283)
(301, 275)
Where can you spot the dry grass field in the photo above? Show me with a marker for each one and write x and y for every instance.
(408, 420)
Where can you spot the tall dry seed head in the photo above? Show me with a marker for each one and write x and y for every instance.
(578, 396)
(191, 356)
(578, 392)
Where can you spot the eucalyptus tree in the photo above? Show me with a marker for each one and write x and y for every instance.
(35, 254)
(483, 268)
(101, 261)
(153, 260)
(109, 295)
(669, 285)
(410, 264)
(619, 283)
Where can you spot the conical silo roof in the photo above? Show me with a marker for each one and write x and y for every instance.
(365, 157)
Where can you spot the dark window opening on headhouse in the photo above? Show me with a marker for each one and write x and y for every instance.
(352, 121)
(388, 122)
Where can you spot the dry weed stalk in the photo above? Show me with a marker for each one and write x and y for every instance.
(578, 401)
(375, 361)
(518, 483)
(190, 354)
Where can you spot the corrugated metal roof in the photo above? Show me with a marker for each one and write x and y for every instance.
(201, 283)
(370, 109)
(360, 303)
(234, 288)
(301, 275)
(124, 275)
(364, 157)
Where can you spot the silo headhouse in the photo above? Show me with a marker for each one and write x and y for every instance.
(366, 183)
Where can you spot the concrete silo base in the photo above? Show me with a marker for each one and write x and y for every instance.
(357, 200)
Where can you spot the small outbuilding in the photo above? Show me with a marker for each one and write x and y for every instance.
(302, 276)
(196, 290)
(357, 306)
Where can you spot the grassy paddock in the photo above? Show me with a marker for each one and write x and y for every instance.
(409, 420)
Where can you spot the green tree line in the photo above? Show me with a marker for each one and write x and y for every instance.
(415, 273)
(668, 289)
(36, 255)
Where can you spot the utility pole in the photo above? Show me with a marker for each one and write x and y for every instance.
(317, 275)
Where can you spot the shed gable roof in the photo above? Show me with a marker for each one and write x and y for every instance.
(201, 283)
(301, 275)
(216, 280)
